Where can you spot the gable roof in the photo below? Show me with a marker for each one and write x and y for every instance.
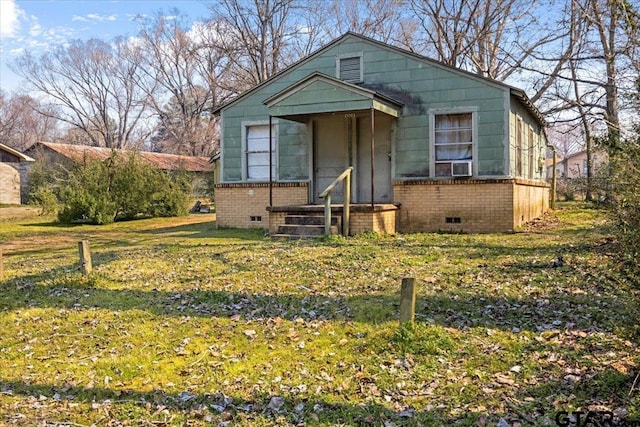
(23, 157)
(519, 94)
(300, 98)
(79, 153)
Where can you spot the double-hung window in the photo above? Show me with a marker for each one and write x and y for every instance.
(258, 150)
(453, 144)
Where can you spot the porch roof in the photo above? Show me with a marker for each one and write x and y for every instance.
(319, 93)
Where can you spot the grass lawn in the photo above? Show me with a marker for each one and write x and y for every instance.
(183, 324)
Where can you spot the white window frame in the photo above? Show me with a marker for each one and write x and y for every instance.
(432, 137)
(245, 152)
(347, 56)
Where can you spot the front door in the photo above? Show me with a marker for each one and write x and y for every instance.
(330, 155)
(382, 160)
(342, 140)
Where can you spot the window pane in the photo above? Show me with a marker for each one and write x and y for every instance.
(453, 121)
(258, 138)
(453, 136)
(258, 144)
(258, 172)
(443, 169)
(258, 159)
(454, 152)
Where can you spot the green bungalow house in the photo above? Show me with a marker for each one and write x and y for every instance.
(429, 147)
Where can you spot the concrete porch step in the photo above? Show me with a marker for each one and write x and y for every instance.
(304, 230)
(309, 220)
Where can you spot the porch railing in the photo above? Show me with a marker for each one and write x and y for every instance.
(326, 195)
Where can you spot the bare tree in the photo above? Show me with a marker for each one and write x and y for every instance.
(388, 21)
(184, 83)
(93, 86)
(257, 36)
(21, 125)
(566, 137)
(615, 47)
(446, 27)
(493, 38)
(588, 93)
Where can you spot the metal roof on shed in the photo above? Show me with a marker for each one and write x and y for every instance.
(79, 153)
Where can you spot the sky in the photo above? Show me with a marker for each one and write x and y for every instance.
(39, 26)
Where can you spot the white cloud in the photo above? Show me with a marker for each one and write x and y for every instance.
(136, 16)
(101, 18)
(9, 18)
(79, 18)
(35, 30)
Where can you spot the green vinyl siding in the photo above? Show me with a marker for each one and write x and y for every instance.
(420, 85)
(319, 93)
(412, 146)
(293, 153)
(531, 160)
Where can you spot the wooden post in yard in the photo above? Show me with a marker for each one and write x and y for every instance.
(407, 301)
(85, 256)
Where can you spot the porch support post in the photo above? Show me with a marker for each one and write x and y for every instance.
(373, 146)
(270, 163)
(327, 214)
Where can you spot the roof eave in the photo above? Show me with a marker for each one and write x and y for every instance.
(332, 80)
(526, 103)
(23, 157)
(278, 74)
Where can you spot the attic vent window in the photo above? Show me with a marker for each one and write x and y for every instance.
(350, 68)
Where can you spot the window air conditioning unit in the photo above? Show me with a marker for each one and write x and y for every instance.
(461, 168)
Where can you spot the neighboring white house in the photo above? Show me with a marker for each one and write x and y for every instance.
(575, 165)
(13, 171)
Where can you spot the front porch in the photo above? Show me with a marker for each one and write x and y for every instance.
(308, 220)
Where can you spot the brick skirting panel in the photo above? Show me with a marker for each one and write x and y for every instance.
(382, 221)
(244, 205)
(476, 206)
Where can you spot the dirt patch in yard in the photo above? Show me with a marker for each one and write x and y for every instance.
(9, 213)
(549, 221)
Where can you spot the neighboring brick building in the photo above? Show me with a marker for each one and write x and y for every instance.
(432, 147)
(13, 175)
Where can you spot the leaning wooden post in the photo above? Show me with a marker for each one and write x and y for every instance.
(407, 301)
(85, 256)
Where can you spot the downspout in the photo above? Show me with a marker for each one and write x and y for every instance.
(270, 164)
